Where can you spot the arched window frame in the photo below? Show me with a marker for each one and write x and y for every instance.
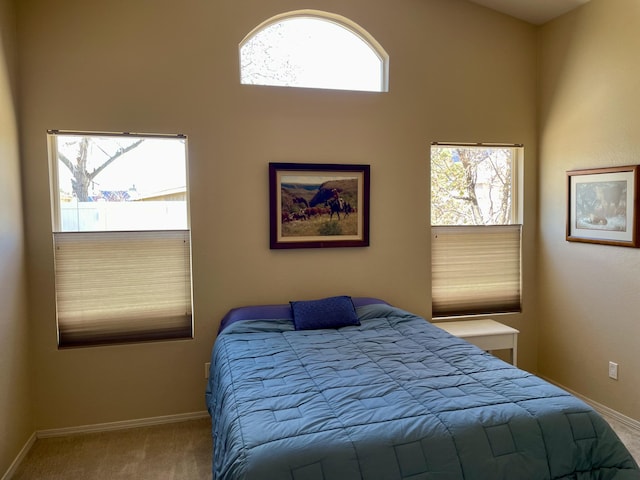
(339, 20)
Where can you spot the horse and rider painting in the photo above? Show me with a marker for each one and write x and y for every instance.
(319, 205)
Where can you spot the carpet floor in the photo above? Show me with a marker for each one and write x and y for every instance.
(174, 451)
(630, 436)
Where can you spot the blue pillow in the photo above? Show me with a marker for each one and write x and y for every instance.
(332, 312)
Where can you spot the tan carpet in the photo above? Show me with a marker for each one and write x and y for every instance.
(174, 451)
(629, 436)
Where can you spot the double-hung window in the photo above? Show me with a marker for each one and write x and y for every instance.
(476, 229)
(121, 237)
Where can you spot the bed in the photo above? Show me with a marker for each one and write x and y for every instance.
(346, 388)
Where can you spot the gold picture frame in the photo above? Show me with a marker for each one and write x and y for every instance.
(602, 206)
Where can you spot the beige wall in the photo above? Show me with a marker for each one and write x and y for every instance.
(458, 73)
(589, 117)
(15, 400)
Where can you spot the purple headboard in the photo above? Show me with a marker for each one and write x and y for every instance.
(274, 312)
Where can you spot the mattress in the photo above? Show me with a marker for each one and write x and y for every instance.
(392, 398)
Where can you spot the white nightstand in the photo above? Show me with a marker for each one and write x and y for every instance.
(486, 334)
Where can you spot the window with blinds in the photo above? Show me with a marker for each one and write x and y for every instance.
(121, 237)
(475, 270)
(476, 235)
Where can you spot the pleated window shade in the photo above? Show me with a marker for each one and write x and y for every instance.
(118, 287)
(475, 270)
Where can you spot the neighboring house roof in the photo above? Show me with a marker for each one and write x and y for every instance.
(133, 195)
(171, 193)
(111, 196)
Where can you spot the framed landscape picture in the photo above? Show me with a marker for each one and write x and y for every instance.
(315, 205)
(602, 206)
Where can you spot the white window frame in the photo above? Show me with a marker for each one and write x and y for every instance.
(477, 269)
(139, 287)
(339, 20)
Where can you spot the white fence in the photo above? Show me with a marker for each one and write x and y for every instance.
(123, 216)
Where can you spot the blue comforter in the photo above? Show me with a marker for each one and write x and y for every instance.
(393, 398)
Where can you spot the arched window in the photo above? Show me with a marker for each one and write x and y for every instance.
(309, 48)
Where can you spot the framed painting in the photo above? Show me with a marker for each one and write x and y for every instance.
(314, 205)
(602, 205)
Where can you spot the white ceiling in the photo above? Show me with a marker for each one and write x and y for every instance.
(532, 11)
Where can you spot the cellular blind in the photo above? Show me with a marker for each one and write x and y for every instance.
(117, 287)
(475, 270)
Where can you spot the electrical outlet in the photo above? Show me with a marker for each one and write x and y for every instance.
(613, 370)
(206, 370)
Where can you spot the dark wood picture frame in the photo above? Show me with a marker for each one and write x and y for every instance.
(602, 206)
(315, 205)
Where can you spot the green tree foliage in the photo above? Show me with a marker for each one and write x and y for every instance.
(471, 186)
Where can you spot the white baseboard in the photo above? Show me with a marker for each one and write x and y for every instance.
(23, 453)
(106, 427)
(600, 408)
